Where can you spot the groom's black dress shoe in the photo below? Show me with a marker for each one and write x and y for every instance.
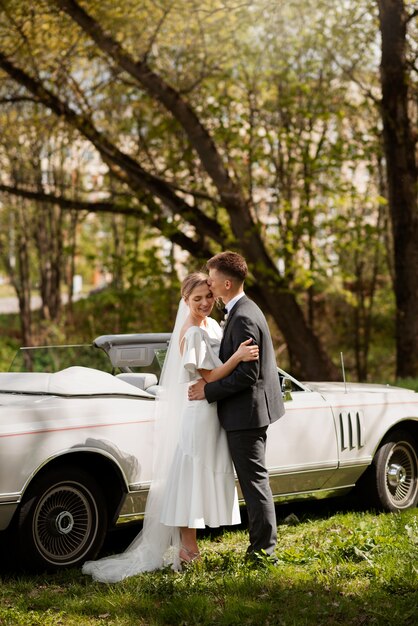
(261, 559)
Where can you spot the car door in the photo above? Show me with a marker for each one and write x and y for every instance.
(302, 451)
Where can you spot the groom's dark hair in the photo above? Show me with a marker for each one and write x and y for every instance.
(230, 264)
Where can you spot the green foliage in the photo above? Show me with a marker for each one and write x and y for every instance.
(408, 383)
(283, 89)
(130, 310)
(9, 340)
(148, 302)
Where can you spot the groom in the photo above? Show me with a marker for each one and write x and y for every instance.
(249, 399)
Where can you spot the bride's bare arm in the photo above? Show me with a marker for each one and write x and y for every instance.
(245, 352)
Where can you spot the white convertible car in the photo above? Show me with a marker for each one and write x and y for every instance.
(76, 444)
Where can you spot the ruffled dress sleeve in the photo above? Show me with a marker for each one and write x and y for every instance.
(197, 354)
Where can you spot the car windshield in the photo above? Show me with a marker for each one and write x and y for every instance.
(55, 358)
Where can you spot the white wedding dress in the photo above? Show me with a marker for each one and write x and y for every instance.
(193, 480)
(201, 486)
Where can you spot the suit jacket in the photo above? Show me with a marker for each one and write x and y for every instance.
(250, 397)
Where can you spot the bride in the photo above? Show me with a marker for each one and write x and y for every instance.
(193, 483)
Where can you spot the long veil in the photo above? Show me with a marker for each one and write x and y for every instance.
(157, 545)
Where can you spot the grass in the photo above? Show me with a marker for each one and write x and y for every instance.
(350, 568)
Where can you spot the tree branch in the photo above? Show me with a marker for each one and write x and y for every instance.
(16, 99)
(154, 35)
(411, 16)
(124, 167)
(350, 72)
(198, 135)
(196, 247)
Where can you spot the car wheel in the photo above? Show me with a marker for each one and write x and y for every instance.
(393, 476)
(62, 521)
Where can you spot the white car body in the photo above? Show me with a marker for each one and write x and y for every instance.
(78, 410)
(81, 439)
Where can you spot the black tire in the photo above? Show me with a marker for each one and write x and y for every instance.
(62, 521)
(391, 482)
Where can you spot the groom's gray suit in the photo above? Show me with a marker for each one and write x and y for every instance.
(249, 400)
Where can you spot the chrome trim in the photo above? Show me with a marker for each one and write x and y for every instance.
(318, 494)
(138, 513)
(134, 487)
(358, 462)
(10, 498)
(351, 429)
(360, 430)
(131, 396)
(133, 506)
(303, 469)
(76, 450)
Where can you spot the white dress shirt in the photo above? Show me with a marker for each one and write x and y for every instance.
(233, 302)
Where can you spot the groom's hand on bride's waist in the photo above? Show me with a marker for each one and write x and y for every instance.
(197, 391)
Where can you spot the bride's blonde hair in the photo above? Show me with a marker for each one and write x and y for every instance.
(193, 280)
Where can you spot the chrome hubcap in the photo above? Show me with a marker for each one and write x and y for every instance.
(65, 523)
(401, 474)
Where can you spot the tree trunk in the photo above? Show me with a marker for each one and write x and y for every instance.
(48, 235)
(19, 274)
(69, 272)
(399, 147)
(308, 364)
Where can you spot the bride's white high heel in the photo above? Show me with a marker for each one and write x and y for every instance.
(188, 556)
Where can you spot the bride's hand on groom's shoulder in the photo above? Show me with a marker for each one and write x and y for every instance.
(248, 351)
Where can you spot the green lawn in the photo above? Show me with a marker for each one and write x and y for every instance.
(350, 568)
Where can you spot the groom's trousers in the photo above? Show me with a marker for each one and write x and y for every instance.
(248, 451)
